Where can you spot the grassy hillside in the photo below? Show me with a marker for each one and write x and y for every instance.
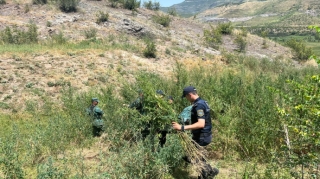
(52, 63)
(282, 19)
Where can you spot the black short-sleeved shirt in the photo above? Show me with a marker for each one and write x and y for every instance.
(201, 110)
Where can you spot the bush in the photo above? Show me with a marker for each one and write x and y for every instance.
(68, 5)
(152, 6)
(172, 11)
(162, 19)
(90, 33)
(241, 43)
(131, 4)
(58, 38)
(212, 37)
(225, 28)
(150, 51)
(301, 51)
(102, 17)
(39, 1)
(17, 36)
(2, 1)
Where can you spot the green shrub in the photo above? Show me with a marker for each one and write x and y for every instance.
(39, 1)
(212, 37)
(225, 28)
(90, 33)
(58, 38)
(150, 50)
(148, 4)
(162, 19)
(244, 31)
(2, 1)
(102, 17)
(114, 3)
(301, 51)
(241, 43)
(17, 36)
(49, 24)
(152, 6)
(68, 5)
(172, 11)
(131, 4)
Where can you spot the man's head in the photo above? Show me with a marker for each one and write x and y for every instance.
(140, 92)
(160, 92)
(94, 101)
(170, 99)
(190, 93)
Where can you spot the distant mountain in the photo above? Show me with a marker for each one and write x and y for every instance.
(192, 7)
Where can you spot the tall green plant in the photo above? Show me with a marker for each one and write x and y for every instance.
(300, 116)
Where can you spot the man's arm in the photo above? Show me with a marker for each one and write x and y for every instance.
(197, 125)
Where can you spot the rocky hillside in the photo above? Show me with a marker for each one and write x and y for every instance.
(38, 71)
(280, 13)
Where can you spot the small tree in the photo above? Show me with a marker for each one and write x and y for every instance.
(150, 50)
(241, 43)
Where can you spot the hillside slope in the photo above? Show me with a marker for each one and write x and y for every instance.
(39, 71)
(280, 13)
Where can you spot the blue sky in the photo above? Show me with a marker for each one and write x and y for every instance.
(165, 3)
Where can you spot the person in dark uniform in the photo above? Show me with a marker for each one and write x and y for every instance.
(96, 116)
(200, 126)
(138, 103)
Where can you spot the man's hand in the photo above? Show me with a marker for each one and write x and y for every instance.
(176, 126)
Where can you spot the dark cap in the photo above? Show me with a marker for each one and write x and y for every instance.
(160, 92)
(169, 98)
(188, 90)
(94, 99)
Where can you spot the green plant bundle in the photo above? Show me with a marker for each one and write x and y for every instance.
(195, 153)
